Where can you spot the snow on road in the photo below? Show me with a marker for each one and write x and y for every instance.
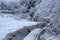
(8, 25)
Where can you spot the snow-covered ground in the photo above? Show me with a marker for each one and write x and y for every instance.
(44, 10)
(33, 35)
(8, 25)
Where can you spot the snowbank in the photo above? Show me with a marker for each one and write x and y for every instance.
(8, 25)
(33, 35)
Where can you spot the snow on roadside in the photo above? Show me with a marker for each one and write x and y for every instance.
(51, 37)
(32, 35)
(8, 25)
